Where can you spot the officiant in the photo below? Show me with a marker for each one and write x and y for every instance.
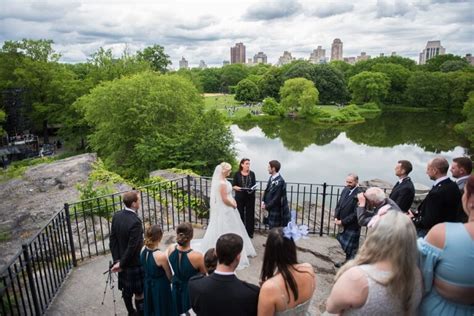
(244, 184)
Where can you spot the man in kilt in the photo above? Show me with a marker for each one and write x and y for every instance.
(126, 242)
(345, 216)
(274, 198)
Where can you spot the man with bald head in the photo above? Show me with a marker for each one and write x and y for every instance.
(442, 202)
(370, 202)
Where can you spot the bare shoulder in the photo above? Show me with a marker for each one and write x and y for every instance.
(270, 286)
(437, 235)
(355, 276)
(160, 257)
(305, 267)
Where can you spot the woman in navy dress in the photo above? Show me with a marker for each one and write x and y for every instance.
(157, 287)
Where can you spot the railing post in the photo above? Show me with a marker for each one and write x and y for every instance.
(69, 232)
(323, 206)
(188, 178)
(29, 273)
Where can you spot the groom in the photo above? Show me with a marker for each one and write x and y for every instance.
(274, 199)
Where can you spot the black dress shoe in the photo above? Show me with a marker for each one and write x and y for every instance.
(339, 264)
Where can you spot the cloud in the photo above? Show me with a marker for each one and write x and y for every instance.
(200, 23)
(37, 11)
(273, 10)
(387, 8)
(331, 9)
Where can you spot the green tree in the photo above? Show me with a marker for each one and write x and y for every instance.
(156, 57)
(467, 127)
(398, 76)
(343, 67)
(271, 107)
(298, 69)
(148, 121)
(39, 50)
(331, 84)
(210, 80)
(231, 75)
(193, 76)
(366, 65)
(435, 63)
(428, 89)
(369, 87)
(299, 94)
(247, 91)
(460, 83)
(453, 65)
(271, 83)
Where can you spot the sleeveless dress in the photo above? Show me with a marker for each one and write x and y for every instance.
(453, 264)
(183, 270)
(298, 310)
(157, 288)
(379, 300)
(225, 219)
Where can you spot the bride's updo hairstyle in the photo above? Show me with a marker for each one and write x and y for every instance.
(184, 234)
(153, 234)
(225, 166)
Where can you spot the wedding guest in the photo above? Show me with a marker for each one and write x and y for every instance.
(157, 288)
(403, 192)
(370, 202)
(185, 263)
(447, 261)
(222, 293)
(244, 180)
(210, 260)
(288, 286)
(383, 279)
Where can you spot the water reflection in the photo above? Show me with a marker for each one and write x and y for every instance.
(315, 154)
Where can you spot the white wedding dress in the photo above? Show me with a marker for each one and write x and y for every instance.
(224, 219)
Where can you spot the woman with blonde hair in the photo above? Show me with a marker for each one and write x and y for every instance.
(224, 217)
(447, 261)
(157, 275)
(383, 279)
(185, 263)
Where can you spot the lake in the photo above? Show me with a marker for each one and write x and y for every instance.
(317, 154)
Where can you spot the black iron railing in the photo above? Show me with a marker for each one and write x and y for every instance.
(81, 230)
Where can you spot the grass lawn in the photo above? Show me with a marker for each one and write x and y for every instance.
(219, 101)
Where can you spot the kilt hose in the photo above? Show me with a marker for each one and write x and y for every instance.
(131, 280)
(349, 240)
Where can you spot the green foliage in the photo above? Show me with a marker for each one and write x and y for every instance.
(247, 91)
(331, 84)
(299, 94)
(5, 236)
(435, 63)
(232, 74)
(193, 76)
(427, 89)
(271, 82)
(453, 65)
(298, 69)
(271, 107)
(2, 119)
(156, 57)
(343, 67)
(467, 127)
(366, 65)
(210, 80)
(369, 87)
(38, 50)
(398, 76)
(151, 122)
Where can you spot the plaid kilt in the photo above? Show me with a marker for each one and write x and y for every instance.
(274, 218)
(349, 240)
(131, 280)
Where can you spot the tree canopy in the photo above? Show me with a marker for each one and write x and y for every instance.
(299, 95)
(369, 87)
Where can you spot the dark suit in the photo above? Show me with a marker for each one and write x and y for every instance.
(126, 241)
(222, 295)
(364, 214)
(346, 212)
(403, 194)
(440, 205)
(276, 203)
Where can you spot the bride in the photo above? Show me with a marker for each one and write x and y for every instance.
(224, 217)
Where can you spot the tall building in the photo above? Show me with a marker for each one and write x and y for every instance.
(318, 56)
(285, 59)
(336, 50)
(202, 64)
(350, 60)
(363, 56)
(470, 59)
(237, 54)
(183, 63)
(260, 58)
(433, 49)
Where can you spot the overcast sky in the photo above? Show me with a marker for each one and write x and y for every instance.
(206, 29)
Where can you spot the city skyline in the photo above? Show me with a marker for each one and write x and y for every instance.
(206, 30)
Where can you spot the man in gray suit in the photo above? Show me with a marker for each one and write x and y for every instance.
(370, 202)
